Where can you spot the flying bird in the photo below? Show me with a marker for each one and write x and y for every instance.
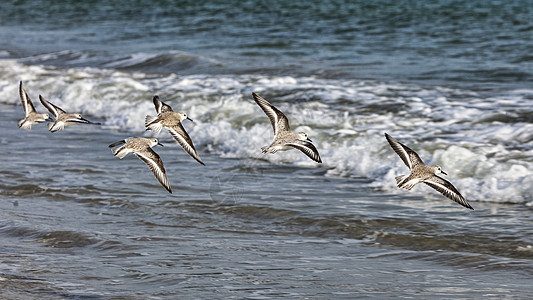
(62, 118)
(420, 172)
(284, 138)
(171, 120)
(142, 148)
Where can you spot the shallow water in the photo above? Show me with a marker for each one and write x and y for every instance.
(78, 223)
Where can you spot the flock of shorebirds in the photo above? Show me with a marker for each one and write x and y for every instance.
(284, 139)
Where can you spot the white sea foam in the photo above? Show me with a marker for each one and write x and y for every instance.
(346, 119)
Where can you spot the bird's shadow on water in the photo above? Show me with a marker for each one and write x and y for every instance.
(230, 185)
(245, 181)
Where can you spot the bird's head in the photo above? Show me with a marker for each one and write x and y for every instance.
(154, 142)
(303, 137)
(437, 170)
(184, 116)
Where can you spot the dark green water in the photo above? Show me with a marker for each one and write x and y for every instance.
(451, 42)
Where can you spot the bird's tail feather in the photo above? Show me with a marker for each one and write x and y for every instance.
(399, 179)
(120, 152)
(403, 183)
(24, 125)
(149, 124)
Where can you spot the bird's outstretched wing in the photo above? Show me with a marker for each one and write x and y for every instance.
(54, 110)
(155, 163)
(160, 106)
(444, 187)
(278, 120)
(307, 148)
(408, 156)
(181, 136)
(26, 101)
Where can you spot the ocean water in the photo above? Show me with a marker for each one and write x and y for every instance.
(452, 80)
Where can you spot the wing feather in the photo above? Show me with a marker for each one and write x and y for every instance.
(444, 187)
(408, 156)
(181, 136)
(307, 148)
(160, 106)
(122, 142)
(54, 110)
(56, 126)
(81, 120)
(154, 162)
(278, 120)
(26, 101)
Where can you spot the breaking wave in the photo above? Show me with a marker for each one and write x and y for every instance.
(483, 140)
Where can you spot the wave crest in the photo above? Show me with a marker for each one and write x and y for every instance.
(488, 160)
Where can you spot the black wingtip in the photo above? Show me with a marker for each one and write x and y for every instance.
(41, 98)
(117, 143)
(256, 96)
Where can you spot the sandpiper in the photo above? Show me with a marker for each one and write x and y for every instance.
(171, 120)
(420, 172)
(62, 118)
(32, 117)
(142, 147)
(284, 138)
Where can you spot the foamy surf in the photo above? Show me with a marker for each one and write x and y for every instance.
(484, 142)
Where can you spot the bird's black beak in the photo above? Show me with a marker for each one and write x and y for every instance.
(190, 119)
(443, 172)
(160, 144)
(309, 140)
